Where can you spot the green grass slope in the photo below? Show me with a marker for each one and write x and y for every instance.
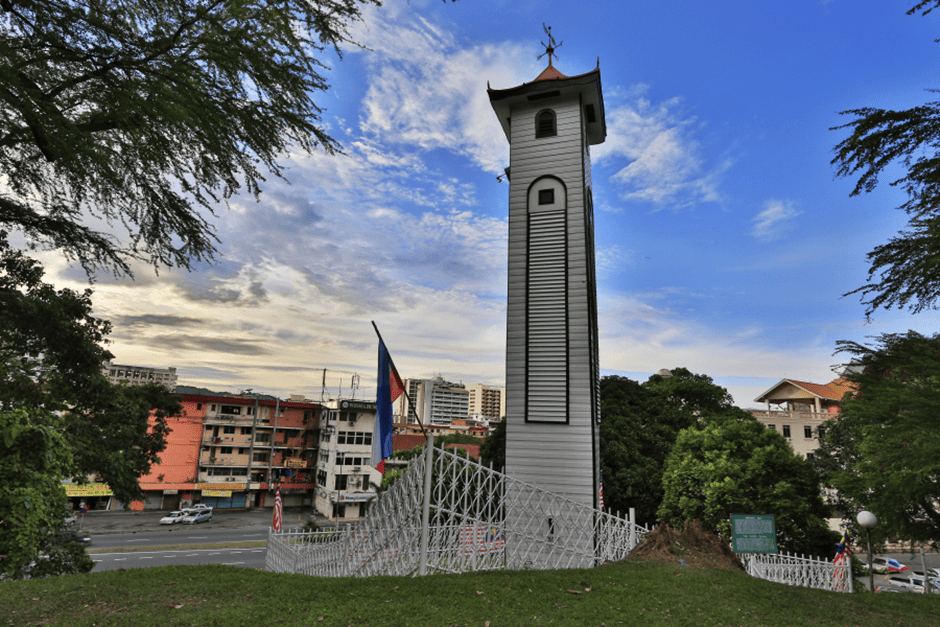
(638, 593)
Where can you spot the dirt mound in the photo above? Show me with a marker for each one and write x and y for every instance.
(694, 546)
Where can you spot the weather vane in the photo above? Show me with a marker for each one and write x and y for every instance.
(551, 45)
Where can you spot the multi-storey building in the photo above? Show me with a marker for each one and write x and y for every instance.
(139, 375)
(801, 408)
(432, 402)
(345, 476)
(486, 403)
(232, 451)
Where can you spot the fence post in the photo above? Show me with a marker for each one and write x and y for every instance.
(632, 528)
(426, 507)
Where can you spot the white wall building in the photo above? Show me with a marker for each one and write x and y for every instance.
(486, 403)
(433, 402)
(344, 474)
(139, 375)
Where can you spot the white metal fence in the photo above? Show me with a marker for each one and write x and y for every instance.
(803, 571)
(449, 514)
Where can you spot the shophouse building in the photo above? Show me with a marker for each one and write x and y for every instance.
(346, 479)
(231, 451)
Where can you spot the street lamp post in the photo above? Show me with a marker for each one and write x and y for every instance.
(868, 520)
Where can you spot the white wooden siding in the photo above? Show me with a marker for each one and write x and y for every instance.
(551, 434)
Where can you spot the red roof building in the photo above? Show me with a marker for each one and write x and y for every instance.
(801, 407)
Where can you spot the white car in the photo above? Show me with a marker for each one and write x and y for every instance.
(204, 515)
(172, 518)
(199, 507)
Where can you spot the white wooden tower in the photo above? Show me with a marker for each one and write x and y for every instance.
(552, 367)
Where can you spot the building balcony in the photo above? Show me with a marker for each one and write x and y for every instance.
(795, 416)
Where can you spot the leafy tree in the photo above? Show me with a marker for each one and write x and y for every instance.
(732, 464)
(639, 425)
(493, 450)
(144, 113)
(882, 453)
(60, 417)
(34, 456)
(905, 272)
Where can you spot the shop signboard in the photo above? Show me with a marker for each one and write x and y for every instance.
(88, 489)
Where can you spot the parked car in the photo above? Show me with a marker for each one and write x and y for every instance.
(172, 518)
(918, 582)
(199, 507)
(933, 572)
(198, 517)
(886, 565)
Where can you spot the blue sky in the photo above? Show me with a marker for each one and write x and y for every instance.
(724, 243)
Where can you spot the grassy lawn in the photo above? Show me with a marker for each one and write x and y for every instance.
(645, 594)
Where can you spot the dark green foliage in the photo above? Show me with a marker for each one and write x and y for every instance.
(60, 418)
(146, 113)
(882, 453)
(640, 424)
(905, 272)
(493, 450)
(732, 464)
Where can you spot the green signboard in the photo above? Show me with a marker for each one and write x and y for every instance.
(753, 533)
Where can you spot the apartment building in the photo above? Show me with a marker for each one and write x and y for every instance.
(231, 451)
(345, 476)
(139, 375)
(486, 403)
(432, 402)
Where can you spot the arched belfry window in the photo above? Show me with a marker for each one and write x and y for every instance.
(545, 124)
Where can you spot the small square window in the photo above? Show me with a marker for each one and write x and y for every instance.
(786, 431)
(807, 432)
(546, 196)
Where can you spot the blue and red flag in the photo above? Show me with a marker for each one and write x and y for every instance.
(388, 388)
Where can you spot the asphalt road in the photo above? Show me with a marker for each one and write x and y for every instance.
(130, 531)
(243, 557)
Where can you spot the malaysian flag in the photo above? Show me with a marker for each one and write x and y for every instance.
(600, 493)
(278, 509)
(843, 557)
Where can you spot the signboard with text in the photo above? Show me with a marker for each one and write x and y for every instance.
(753, 533)
(88, 489)
(295, 462)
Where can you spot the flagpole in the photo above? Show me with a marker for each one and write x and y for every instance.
(404, 391)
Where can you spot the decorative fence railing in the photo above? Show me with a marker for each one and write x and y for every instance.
(449, 514)
(800, 571)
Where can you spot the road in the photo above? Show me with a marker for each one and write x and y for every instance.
(243, 557)
(139, 541)
(181, 534)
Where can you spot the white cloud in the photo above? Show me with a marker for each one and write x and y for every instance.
(775, 220)
(665, 162)
(639, 337)
(429, 90)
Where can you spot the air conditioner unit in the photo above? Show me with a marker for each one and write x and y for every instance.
(356, 468)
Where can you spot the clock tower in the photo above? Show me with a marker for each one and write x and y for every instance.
(552, 365)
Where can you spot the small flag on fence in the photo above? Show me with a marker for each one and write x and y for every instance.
(600, 493)
(843, 557)
(388, 388)
(278, 510)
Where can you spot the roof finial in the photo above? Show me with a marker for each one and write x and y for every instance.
(550, 46)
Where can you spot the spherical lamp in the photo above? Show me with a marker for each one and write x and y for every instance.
(867, 520)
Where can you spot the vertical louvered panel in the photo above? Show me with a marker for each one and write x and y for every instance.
(547, 316)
